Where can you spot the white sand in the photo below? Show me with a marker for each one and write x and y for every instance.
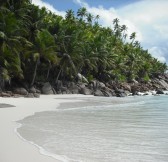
(12, 147)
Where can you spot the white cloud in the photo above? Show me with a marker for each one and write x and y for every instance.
(108, 15)
(148, 18)
(159, 53)
(151, 18)
(41, 4)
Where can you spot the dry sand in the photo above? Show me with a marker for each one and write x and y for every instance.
(12, 147)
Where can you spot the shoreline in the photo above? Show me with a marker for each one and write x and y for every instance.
(120, 103)
(41, 150)
(20, 149)
(15, 148)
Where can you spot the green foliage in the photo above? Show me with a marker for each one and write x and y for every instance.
(5, 75)
(35, 41)
(90, 77)
(146, 78)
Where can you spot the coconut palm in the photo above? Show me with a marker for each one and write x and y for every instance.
(123, 30)
(43, 49)
(29, 37)
(116, 23)
(70, 15)
(10, 44)
(90, 18)
(133, 36)
(82, 12)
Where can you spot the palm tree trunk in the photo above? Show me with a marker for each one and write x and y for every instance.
(56, 80)
(48, 71)
(2, 85)
(35, 72)
(71, 63)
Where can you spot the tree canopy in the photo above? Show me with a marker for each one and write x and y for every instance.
(38, 45)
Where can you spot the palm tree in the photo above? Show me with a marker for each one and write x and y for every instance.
(82, 12)
(89, 18)
(132, 37)
(137, 44)
(116, 23)
(70, 15)
(66, 63)
(43, 48)
(123, 30)
(10, 44)
(29, 37)
(20, 9)
(37, 21)
(97, 18)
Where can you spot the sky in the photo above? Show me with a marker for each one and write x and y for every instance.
(148, 18)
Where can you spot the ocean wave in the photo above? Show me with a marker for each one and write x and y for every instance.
(43, 151)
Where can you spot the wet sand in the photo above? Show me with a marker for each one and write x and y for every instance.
(12, 147)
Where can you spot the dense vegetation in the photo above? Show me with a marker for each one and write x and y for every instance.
(37, 45)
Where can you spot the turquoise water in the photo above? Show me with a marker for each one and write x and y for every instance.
(134, 131)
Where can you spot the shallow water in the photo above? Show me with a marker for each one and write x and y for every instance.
(136, 130)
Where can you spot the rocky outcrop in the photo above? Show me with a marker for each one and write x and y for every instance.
(120, 93)
(82, 85)
(72, 87)
(32, 90)
(125, 86)
(47, 89)
(74, 91)
(155, 86)
(36, 95)
(30, 95)
(108, 92)
(163, 84)
(4, 94)
(159, 91)
(86, 91)
(98, 93)
(81, 78)
(20, 91)
(60, 88)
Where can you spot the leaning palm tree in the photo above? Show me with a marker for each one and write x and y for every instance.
(66, 64)
(43, 48)
(123, 30)
(133, 36)
(97, 18)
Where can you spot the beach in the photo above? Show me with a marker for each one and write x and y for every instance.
(13, 148)
(73, 128)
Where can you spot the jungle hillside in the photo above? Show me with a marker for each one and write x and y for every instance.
(37, 45)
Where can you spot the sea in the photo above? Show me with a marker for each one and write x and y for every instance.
(102, 129)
